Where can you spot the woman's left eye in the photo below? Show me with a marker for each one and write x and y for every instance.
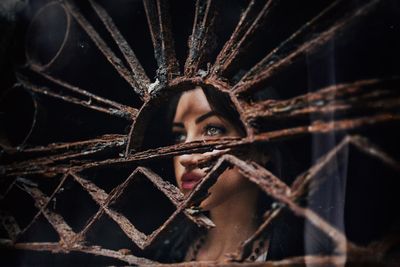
(212, 130)
(178, 137)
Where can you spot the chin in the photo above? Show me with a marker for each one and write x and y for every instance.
(205, 205)
(210, 203)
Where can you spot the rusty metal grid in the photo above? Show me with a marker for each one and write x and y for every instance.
(373, 101)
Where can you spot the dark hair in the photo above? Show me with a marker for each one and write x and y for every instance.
(219, 102)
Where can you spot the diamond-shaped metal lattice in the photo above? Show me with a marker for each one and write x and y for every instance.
(231, 68)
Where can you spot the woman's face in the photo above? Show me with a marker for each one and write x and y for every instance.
(195, 120)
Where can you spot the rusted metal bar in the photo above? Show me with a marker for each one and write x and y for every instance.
(249, 22)
(121, 255)
(42, 208)
(102, 46)
(91, 96)
(98, 194)
(84, 103)
(174, 150)
(313, 260)
(301, 185)
(159, 21)
(275, 188)
(65, 232)
(68, 151)
(95, 250)
(267, 67)
(225, 143)
(260, 234)
(364, 145)
(206, 161)
(330, 126)
(255, 174)
(318, 127)
(271, 185)
(128, 228)
(357, 104)
(138, 72)
(343, 98)
(337, 236)
(101, 142)
(301, 31)
(103, 199)
(44, 161)
(180, 84)
(175, 195)
(302, 181)
(171, 192)
(331, 260)
(200, 43)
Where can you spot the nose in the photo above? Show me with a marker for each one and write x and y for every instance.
(189, 160)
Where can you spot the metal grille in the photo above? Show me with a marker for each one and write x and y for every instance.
(41, 174)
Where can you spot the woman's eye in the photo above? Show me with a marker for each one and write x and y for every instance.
(179, 137)
(212, 130)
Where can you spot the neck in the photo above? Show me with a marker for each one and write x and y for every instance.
(235, 222)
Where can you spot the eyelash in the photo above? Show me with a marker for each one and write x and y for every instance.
(220, 128)
(179, 137)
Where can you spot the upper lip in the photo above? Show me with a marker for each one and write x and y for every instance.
(191, 176)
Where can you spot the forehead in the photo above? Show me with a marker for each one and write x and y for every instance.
(191, 104)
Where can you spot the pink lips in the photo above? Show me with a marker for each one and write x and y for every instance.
(190, 180)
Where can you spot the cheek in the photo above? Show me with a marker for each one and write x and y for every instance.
(229, 184)
(231, 180)
(178, 170)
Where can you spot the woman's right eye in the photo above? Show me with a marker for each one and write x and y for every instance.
(179, 137)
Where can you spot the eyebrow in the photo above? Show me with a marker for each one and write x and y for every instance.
(178, 124)
(205, 116)
(198, 120)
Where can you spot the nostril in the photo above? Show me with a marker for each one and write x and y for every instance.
(188, 160)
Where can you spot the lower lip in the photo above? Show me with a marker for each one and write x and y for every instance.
(189, 185)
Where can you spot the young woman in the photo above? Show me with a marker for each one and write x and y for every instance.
(232, 203)
(235, 205)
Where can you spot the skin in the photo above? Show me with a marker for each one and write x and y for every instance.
(233, 198)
